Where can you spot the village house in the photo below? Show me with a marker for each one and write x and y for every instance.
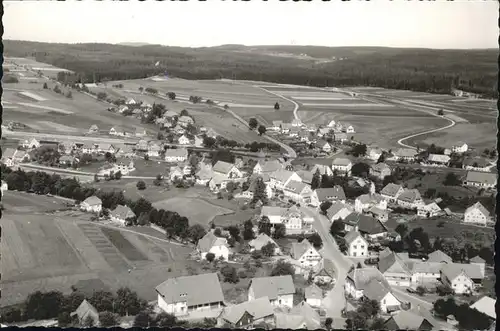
(227, 169)
(93, 129)
(374, 153)
(371, 284)
(342, 165)
(338, 211)
(204, 175)
(305, 254)
(125, 168)
(459, 147)
(178, 129)
(276, 126)
(481, 263)
(68, 160)
(170, 114)
(296, 122)
(262, 240)
(210, 243)
(424, 273)
(340, 137)
(123, 109)
(211, 133)
(176, 155)
(267, 167)
(184, 121)
(92, 204)
(323, 132)
(332, 194)
(324, 272)
(183, 140)
(85, 311)
(313, 295)
(183, 295)
(31, 144)
(306, 176)
(476, 164)
(292, 218)
(4, 187)
(247, 314)
(429, 210)
(121, 215)
(66, 147)
(410, 199)
(11, 157)
(486, 305)
(300, 317)
(279, 290)
(304, 136)
(140, 132)
(198, 141)
(366, 201)
(477, 214)
(218, 182)
(175, 173)
(438, 159)
(331, 124)
(394, 269)
(381, 215)
(104, 148)
(117, 131)
(357, 246)
(153, 149)
(125, 150)
(455, 276)
(408, 320)
(369, 227)
(324, 146)
(131, 102)
(249, 193)
(481, 179)
(349, 128)
(88, 148)
(298, 192)
(405, 154)
(294, 132)
(281, 178)
(322, 169)
(380, 170)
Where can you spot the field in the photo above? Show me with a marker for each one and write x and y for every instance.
(21, 202)
(55, 251)
(196, 210)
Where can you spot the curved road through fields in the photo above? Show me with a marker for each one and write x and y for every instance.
(400, 141)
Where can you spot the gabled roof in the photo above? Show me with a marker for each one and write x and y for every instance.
(376, 290)
(310, 317)
(481, 177)
(296, 187)
(477, 259)
(340, 135)
(84, 309)
(8, 153)
(370, 225)
(325, 268)
(439, 256)
(410, 195)
(335, 193)
(270, 166)
(306, 176)
(369, 198)
(299, 249)
(393, 264)
(277, 123)
(170, 113)
(407, 320)
(391, 189)
(93, 201)
(322, 143)
(438, 158)
(377, 211)
(322, 168)
(178, 152)
(272, 287)
(351, 236)
(336, 207)
(282, 175)
(261, 240)
(452, 270)
(480, 207)
(122, 212)
(380, 166)
(271, 211)
(405, 152)
(222, 167)
(340, 161)
(195, 290)
(313, 292)
(362, 276)
(258, 309)
(486, 305)
(210, 240)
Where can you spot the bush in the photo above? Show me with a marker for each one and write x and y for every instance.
(141, 185)
(210, 257)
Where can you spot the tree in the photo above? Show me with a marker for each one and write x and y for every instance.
(268, 249)
(158, 180)
(209, 142)
(69, 95)
(359, 150)
(210, 257)
(325, 205)
(279, 231)
(262, 129)
(336, 228)
(171, 95)
(253, 123)
(141, 89)
(165, 320)
(356, 321)
(234, 232)
(265, 225)
(102, 95)
(43, 305)
(451, 180)
(141, 185)
(420, 290)
(402, 230)
(143, 320)
(196, 232)
(45, 87)
(260, 192)
(360, 169)
(107, 319)
(315, 240)
(440, 112)
(128, 302)
(88, 322)
(184, 112)
(444, 290)
(276, 106)
(328, 323)
(283, 268)
(316, 180)
(248, 233)
(64, 319)
(369, 307)
(118, 175)
(230, 274)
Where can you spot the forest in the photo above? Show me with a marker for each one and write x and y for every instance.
(423, 70)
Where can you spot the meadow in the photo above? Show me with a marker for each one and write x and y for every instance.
(53, 251)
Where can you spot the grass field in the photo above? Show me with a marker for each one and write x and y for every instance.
(55, 251)
(21, 202)
(196, 210)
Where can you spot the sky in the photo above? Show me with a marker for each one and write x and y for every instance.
(438, 24)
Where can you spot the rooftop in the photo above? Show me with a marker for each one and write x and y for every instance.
(195, 290)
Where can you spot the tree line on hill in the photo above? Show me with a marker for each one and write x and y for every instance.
(422, 70)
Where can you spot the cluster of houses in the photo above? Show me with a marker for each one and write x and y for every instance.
(121, 215)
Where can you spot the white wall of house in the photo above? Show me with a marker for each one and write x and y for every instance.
(118, 220)
(314, 302)
(387, 301)
(91, 208)
(358, 247)
(343, 168)
(283, 300)
(177, 309)
(351, 290)
(311, 258)
(476, 217)
(280, 185)
(218, 251)
(397, 279)
(425, 277)
(461, 284)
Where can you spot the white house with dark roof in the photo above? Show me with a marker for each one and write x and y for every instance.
(366, 201)
(457, 277)
(324, 146)
(438, 159)
(293, 219)
(279, 179)
(332, 194)
(357, 246)
(279, 290)
(481, 179)
(176, 155)
(379, 214)
(305, 254)
(380, 170)
(313, 295)
(268, 167)
(92, 204)
(183, 140)
(459, 147)
(186, 294)
(153, 149)
(210, 243)
(338, 210)
(394, 269)
(247, 314)
(431, 209)
(410, 198)
(298, 191)
(227, 169)
(342, 165)
(406, 154)
(477, 214)
(261, 240)
(391, 192)
(175, 172)
(121, 214)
